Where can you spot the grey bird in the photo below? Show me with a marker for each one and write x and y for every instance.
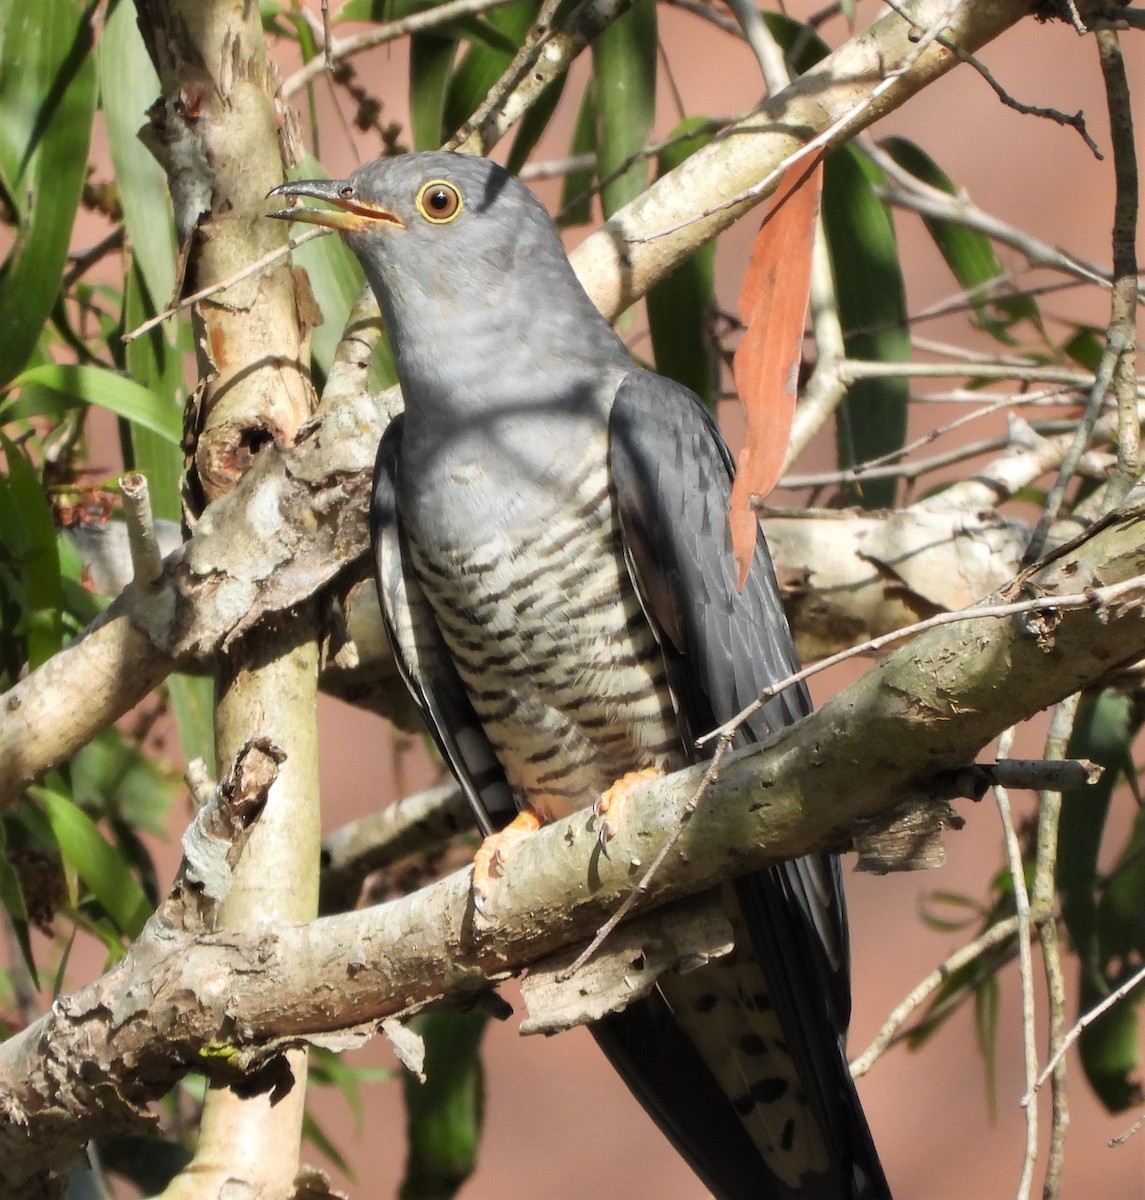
(550, 532)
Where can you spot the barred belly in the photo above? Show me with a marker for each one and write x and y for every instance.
(559, 660)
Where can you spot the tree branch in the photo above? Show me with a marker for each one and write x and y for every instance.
(924, 710)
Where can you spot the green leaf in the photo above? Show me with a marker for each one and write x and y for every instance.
(99, 864)
(313, 1132)
(789, 34)
(370, 11)
(871, 421)
(1086, 346)
(445, 1113)
(1100, 931)
(624, 61)
(484, 62)
(576, 192)
(47, 105)
(1110, 1051)
(431, 58)
(32, 542)
(12, 898)
(113, 776)
(128, 87)
(158, 365)
(682, 306)
(94, 385)
(986, 1004)
(534, 124)
(193, 703)
(968, 253)
(1102, 732)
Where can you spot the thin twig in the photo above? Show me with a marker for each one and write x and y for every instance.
(1081, 439)
(146, 557)
(641, 889)
(1122, 336)
(835, 132)
(1017, 868)
(1077, 121)
(1133, 1129)
(84, 260)
(251, 269)
(1041, 900)
(1093, 597)
(1083, 1023)
(891, 1028)
(336, 49)
(910, 192)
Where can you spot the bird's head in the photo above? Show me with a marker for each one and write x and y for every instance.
(449, 222)
(466, 263)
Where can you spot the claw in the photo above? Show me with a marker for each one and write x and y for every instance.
(610, 803)
(492, 854)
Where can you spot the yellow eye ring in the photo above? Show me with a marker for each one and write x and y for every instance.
(439, 202)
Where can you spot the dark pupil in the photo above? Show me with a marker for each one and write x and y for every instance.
(439, 200)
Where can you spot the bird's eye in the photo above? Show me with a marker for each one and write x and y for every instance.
(346, 192)
(439, 202)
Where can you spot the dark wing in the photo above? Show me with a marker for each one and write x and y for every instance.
(672, 477)
(422, 656)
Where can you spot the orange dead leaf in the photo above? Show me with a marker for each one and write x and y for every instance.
(772, 304)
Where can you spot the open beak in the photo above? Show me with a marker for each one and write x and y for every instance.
(349, 215)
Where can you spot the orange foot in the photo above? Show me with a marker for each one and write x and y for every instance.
(611, 803)
(491, 854)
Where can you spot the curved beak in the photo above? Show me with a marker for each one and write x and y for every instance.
(349, 215)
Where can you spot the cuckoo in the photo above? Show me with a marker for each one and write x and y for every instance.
(549, 524)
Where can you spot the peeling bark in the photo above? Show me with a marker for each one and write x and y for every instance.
(226, 1001)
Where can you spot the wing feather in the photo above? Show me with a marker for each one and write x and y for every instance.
(422, 657)
(672, 475)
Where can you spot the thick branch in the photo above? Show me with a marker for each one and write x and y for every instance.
(924, 710)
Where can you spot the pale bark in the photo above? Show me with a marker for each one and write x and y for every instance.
(182, 999)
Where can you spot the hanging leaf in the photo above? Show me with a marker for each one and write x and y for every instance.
(94, 385)
(624, 57)
(1099, 931)
(484, 62)
(773, 305)
(45, 52)
(445, 1114)
(34, 548)
(576, 193)
(871, 420)
(98, 863)
(682, 306)
(968, 253)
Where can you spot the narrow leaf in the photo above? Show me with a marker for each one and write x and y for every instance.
(102, 868)
(34, 548)
(483, 64)
(576, 192)
(445, 1113)
(128, 86)
(94, 385)
(871, 421)
(968, 253)
(47, 105)
(773, 305)
(681, 307)
(624, 58)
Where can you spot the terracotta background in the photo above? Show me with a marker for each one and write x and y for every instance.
(558, 1124)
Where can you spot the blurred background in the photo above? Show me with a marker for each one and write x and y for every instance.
(558, 1124)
